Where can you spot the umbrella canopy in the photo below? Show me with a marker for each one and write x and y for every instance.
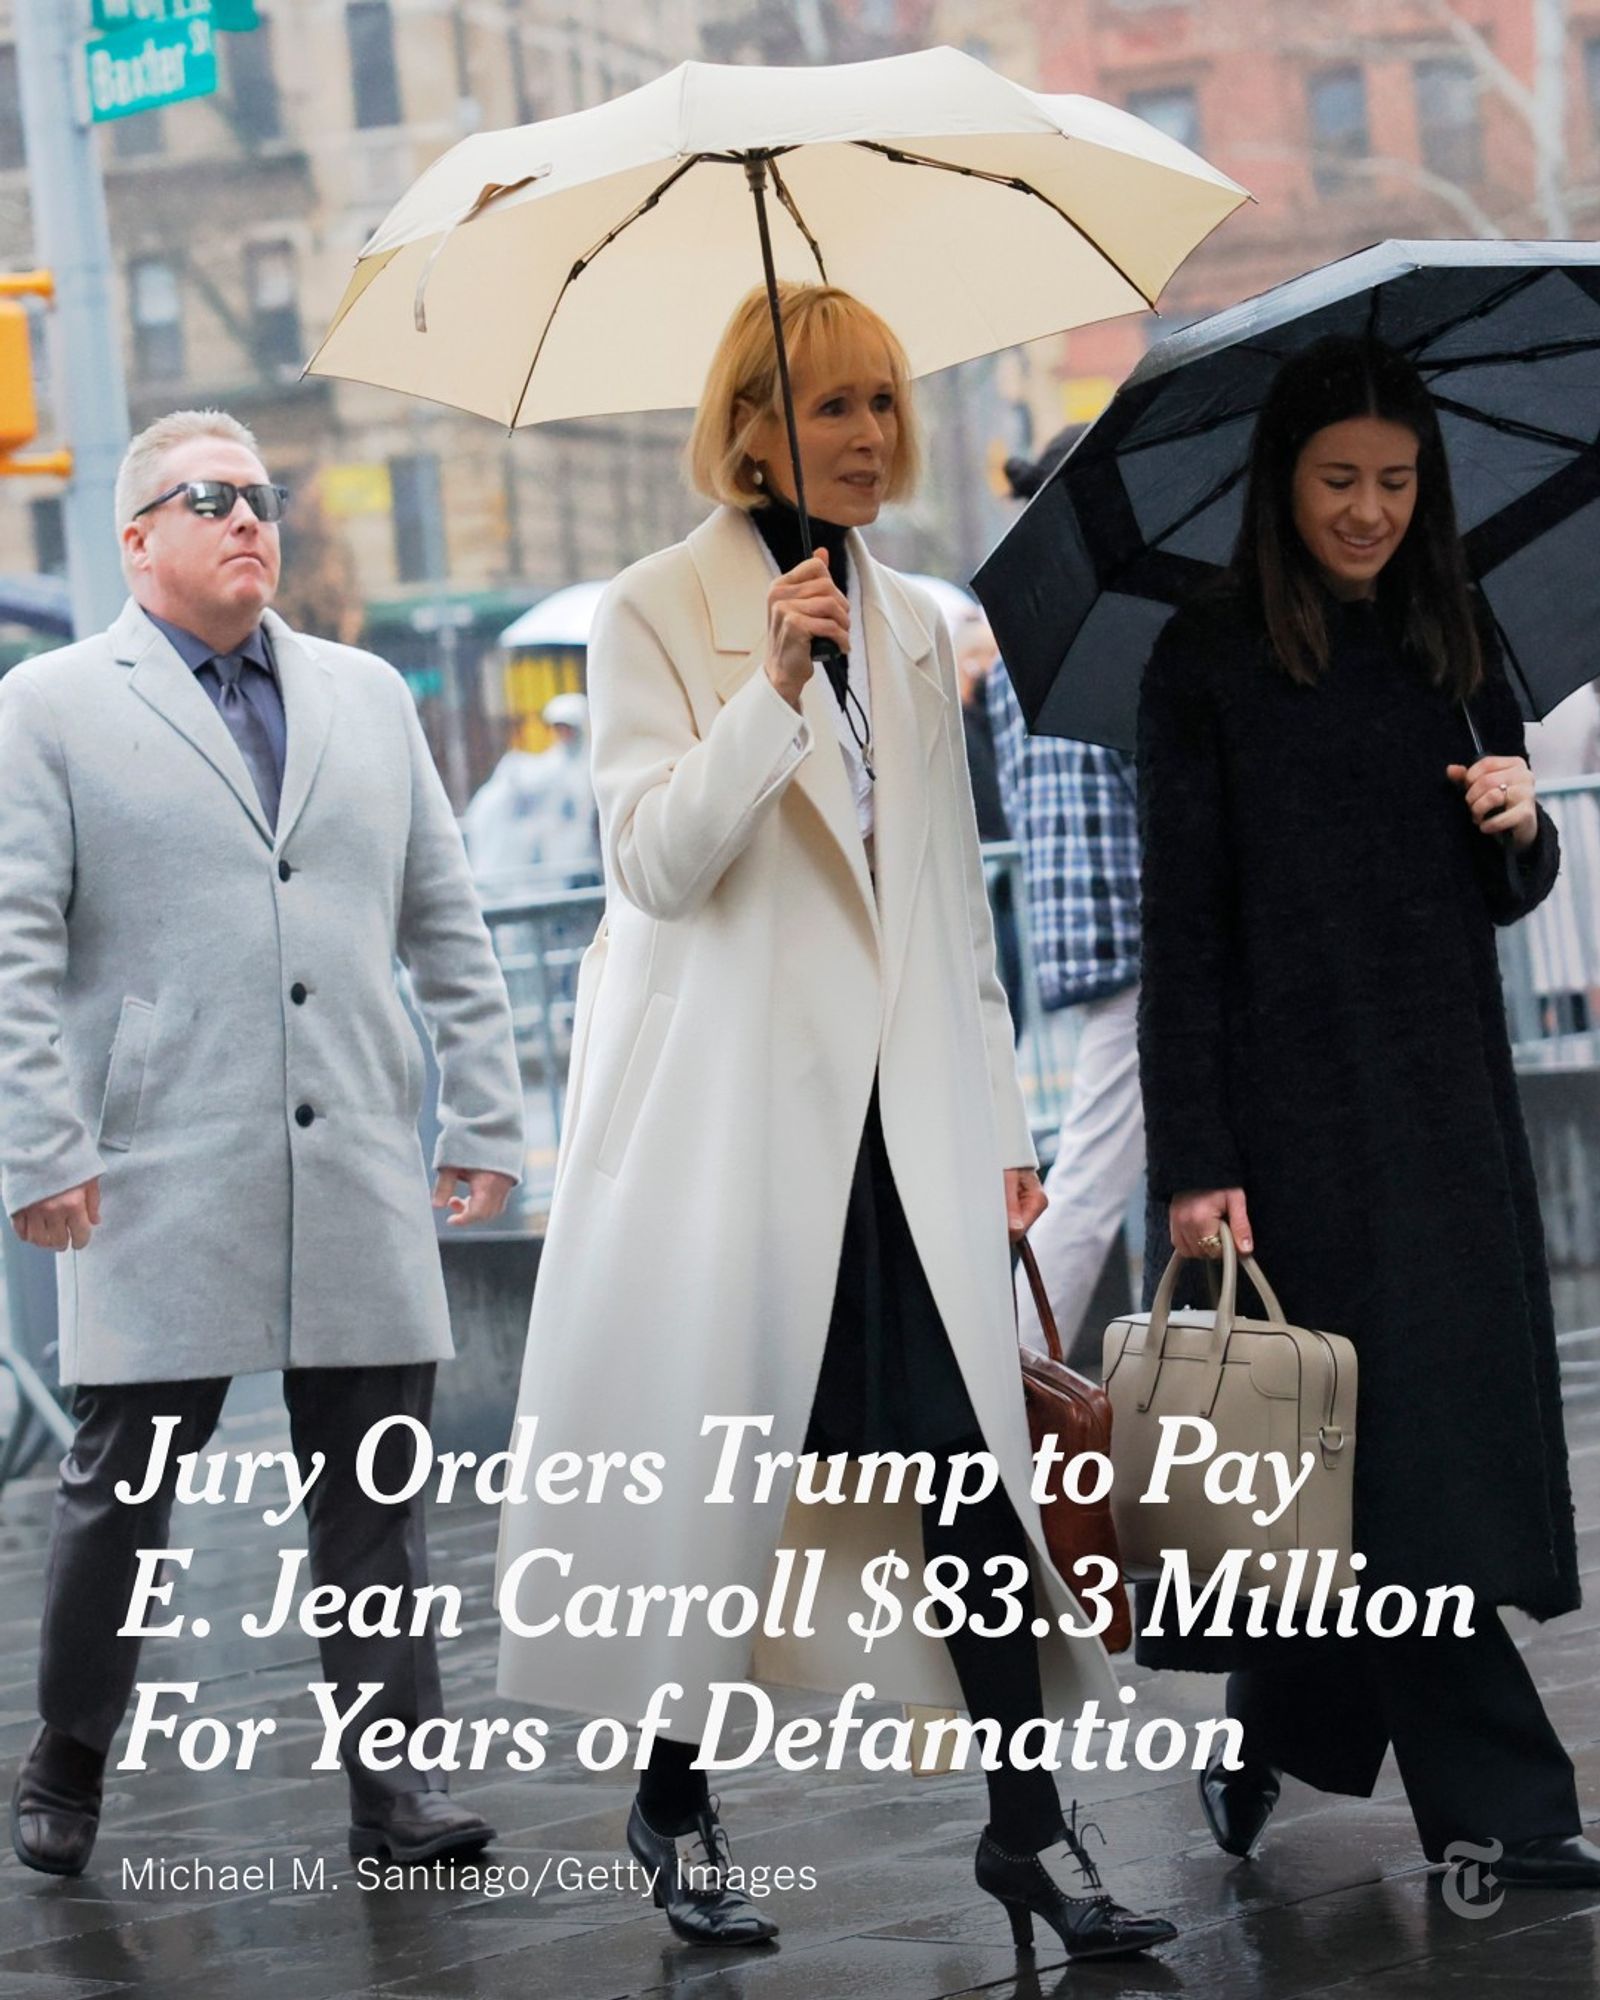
(587, 265)
(561, 619)
(1146, 507)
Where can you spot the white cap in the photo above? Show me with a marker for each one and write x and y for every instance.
(565, 711)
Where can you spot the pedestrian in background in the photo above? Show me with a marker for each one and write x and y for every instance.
(1327, 1070)
(974, 651)
(217, 835)
(534, 816)
(1073, 808)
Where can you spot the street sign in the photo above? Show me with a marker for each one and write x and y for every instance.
(235, 17)
(138, 68)
(445, 617)
(113, 14)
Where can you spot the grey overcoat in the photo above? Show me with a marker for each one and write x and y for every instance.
(206, 1014)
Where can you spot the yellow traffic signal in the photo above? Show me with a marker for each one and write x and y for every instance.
(19, 411)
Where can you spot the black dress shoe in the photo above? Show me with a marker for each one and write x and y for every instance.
(55, 1809)
(1553, 1861)
(1037, 1885)
(1238, 1804)
(700, 1904)
(416, 1826)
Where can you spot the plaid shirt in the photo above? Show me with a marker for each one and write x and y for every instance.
(1072, 808)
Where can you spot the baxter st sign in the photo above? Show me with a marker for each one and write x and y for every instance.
(151, 63)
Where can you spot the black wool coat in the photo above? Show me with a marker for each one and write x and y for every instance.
(1321, 1023)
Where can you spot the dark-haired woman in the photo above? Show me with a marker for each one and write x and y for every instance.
(1326, 1069)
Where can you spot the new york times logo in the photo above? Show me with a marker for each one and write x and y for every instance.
(1468, 1889)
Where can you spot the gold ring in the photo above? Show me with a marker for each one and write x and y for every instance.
(1210, 1242)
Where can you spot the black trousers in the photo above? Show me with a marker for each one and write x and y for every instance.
(87, 1673)
(1477, 1754)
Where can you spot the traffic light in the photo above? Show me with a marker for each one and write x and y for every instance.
(19, 412)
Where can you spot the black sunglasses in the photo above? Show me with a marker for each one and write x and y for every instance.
(215, 499)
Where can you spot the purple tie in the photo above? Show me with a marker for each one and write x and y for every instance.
(248, 730)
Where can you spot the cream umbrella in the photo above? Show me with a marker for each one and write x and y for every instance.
(587, 265)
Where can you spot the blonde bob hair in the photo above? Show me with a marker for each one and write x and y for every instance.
(822, 326)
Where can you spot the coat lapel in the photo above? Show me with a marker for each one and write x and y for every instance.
(735, 578)
(908, 718)
(307, 683)
(161, 680)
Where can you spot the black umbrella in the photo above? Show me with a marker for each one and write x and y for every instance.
(1146, 507)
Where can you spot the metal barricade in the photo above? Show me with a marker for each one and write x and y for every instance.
(1550, 962)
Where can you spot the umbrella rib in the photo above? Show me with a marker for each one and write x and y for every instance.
(1510, 426)
(782, 188)
(1509, 655)
(1549, 350)
(587, 259)
(1480, 310)
(1018, 185)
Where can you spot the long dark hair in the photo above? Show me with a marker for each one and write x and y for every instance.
(1424, 588)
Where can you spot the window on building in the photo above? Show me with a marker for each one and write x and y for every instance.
(419, 549)
(369, 27)
(253, 84)
(11, 147)
(1591, 78)
(274, 305)
(49, 536)
(1175, 111)
(1339, 136)
(138, 137)
(1447, 118)
(521, 88)
(157, 304)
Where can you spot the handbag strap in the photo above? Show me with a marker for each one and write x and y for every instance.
(1041, 1298)
(1222, 1320)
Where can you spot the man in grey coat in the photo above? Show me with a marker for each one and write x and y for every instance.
(216, 837)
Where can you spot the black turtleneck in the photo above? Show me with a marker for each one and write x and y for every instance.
(778, 525)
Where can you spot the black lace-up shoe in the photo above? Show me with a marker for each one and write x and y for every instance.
(1042, 1885)
(692, 1888)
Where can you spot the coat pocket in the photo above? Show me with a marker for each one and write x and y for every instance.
(119, 1108)
(646, 1053)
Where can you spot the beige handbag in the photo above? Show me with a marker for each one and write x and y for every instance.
(1266, 1386)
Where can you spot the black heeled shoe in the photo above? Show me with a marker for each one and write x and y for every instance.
(1034, 1885)
(700, 1905)
(1238, 1804)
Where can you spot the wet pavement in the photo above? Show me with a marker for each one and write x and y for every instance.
(1339, 1900)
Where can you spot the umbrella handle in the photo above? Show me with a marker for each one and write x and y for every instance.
(1508, 845)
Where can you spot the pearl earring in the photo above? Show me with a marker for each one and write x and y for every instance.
(758, 476)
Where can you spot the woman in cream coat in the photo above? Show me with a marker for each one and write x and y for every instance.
(794, 1141)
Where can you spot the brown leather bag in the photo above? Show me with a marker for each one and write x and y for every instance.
(1078, 1411)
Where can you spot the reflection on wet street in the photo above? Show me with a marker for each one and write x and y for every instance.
(1339, 1898)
